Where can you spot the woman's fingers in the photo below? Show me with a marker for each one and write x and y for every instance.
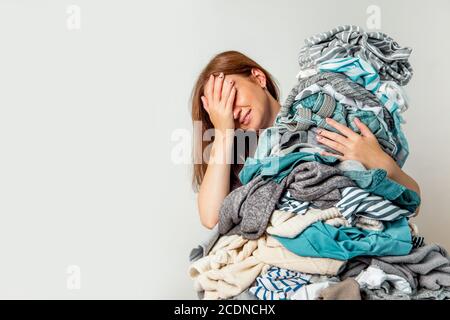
(365, 131)
(332, 144)
(205, 103)
(326, 153)
(332, 136)
(226, 89)
(342, 129)
(230, 100)
(208, 90)
(217, 91)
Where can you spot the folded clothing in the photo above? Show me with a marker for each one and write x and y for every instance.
(373, 278)
(234, 263)
(360, 71)
(247, 209)
(300, 214)
(322, 240)
(278, 284)
(359, 211)
(317, 183)
(278, 167)
(424, 267)
(387, 292)
(312, 291)
(344, 290)
(315, 103)
(272, 252)
(356, 201)
(384, 53)
(289, 225)
(228, 270)
(374, 181)
(205, 245)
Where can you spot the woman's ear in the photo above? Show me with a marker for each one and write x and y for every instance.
(259, 76)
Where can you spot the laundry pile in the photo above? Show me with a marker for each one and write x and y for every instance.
(307, 226)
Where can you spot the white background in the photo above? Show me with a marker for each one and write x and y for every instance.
(86, 118)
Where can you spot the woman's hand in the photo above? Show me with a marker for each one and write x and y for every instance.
(362, 147)
(218, 102)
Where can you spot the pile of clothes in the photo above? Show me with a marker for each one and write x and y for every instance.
(305, 226)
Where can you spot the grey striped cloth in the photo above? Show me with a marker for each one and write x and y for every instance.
(388, 58)
(418, 241)
(356, 201)
(290, 204)
(342, 84)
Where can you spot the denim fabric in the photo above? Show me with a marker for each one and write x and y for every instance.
(325, 241)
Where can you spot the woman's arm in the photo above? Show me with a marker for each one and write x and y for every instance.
(396, 173)
(365, 148)
(218, 101)
(216, 182)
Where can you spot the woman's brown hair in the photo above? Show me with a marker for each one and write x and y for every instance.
(228, 62)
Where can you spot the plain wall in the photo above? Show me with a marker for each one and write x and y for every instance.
(87, 117)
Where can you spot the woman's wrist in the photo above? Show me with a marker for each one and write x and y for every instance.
(224, 135)
(391, 167)
(222, 146)
(385, 162)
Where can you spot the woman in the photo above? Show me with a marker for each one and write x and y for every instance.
(234, 92)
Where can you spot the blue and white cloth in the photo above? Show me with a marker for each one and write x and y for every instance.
(279, 284)
(363, 73)
(355, 201)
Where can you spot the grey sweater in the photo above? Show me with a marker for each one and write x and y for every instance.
(247, 209)
(425, 267)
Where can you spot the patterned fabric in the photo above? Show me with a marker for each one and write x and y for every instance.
(418, 242)
(389, 59)
(290, 204)
(356, 206)
(356, 201)
(315, 103)
(279, 284)
(361, 72)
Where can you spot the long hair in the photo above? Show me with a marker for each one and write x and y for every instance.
(228, 62)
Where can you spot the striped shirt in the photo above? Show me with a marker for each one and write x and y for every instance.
(356, 201)
(279, 284)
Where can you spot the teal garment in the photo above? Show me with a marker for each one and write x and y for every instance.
(399, 135)
(322, 240)
(374, 181)
(363, 73)
(316, 101)
(277, 168)
(269, 138)
(377, 182)
(357, 69)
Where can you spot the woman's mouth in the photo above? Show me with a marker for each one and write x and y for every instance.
(245, 119)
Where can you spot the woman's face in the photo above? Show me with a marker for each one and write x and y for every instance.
(251, 108)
